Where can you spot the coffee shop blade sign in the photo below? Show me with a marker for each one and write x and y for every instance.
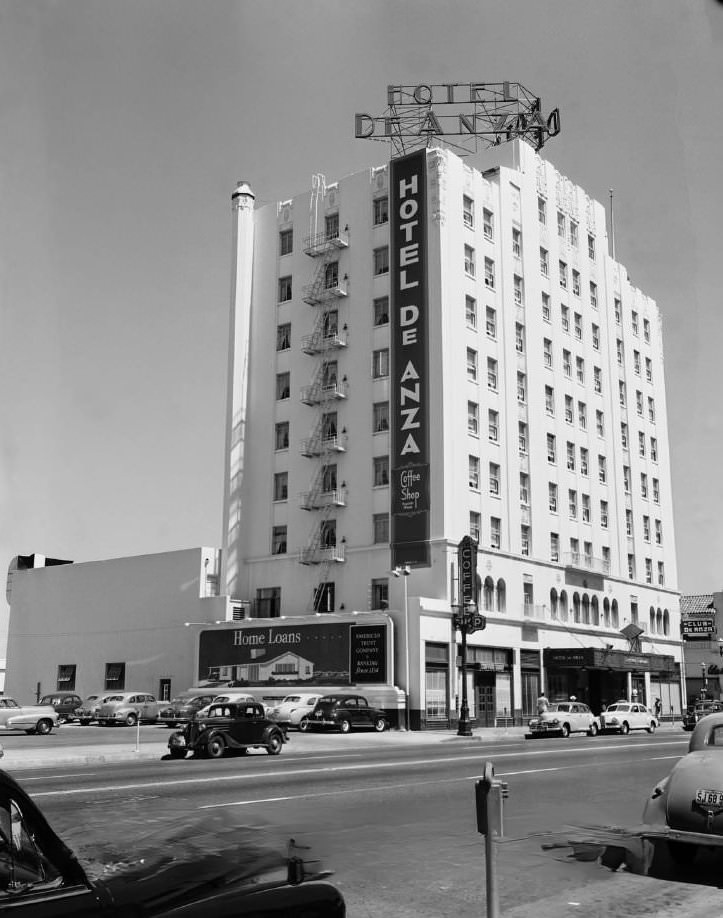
(467, 563)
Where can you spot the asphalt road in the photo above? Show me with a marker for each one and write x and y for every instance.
(396, 822)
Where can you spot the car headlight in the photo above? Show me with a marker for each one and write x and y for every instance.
(555, 722)
(534, 722)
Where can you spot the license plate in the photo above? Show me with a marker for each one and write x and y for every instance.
(709, 797)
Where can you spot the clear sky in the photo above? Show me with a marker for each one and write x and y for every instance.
(125, 127)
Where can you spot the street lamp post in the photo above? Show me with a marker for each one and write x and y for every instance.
(463, 727)
(404, 571)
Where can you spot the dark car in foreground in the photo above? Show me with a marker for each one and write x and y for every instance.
(201, 871)
(345, 713)
(686, 808)
(698, 710)
(230, 726)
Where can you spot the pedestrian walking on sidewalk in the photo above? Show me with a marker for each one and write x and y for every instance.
(542, 703)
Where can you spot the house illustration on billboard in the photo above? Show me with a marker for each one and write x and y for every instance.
(287, 666)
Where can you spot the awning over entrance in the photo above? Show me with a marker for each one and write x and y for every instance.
(617, 660)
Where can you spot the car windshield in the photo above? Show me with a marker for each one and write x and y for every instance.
(559, 706)
(290, 698)
(619, 707)
(114, 698)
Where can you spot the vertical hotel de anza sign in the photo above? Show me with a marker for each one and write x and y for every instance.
(410, 490)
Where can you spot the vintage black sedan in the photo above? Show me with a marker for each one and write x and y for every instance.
(202, 870)
(229, 726)
(344, 713)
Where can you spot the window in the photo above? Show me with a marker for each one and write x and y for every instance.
(578, 326)
(283, 386)
(381, 260)
(552, 496)
(381, 210)
(473, 462)
(654, 449)
(281, 435)
(488, 224)
(495, 532)
(380, 420)
(524, 540)
(268, 602)
(575, 282)
(565, 317)
(381, 471)
(489, 273)
(661, 573)
(586, 508)
(629, 523)
(561, 225)
(624, 434)
(606, 559)
(643, 484)
(380, 594)
(600, 423)
(648, 369)
(549, 400)
(604, 514)
(568, 409)
(573, 233)
(493, 425)
(284, 289)
(656, 490)
(544, 262)
(651, 409)
(331, 275)
(636, 362)
(471, 364)
(631, 567)
(328, 425)
(286, 242)
(618, 311)
(524, 489)
(475, 525)
(571, 456)
(519, 290)
(580, 369)
(473, 418)
(597, 379)
(584, 468)
(491, 322)
(562, 270)
(516, 242)
(381, 310)
(469, 260)
(283, 337)
(468, 211)
(602, 469)
(380, 523)
(281, 486)
(522, 438)
(646, 330)
(542, 211)
(330, 323)
(380, 363)
(331, 224)
(470, 311)
(572, 503)
(567, 363)
(641, 443)
(66, 677)
(591, 247)
(551, 450)
(545, 307)
(494, 478)
(547, 352)
(587, 549)
(595, 337)
(634, 321)
(491, 374)
(621, 392)
(521, 388)
(593, 295)
(626, 478)
(115, 677)
(554, 546)
(648, 570)
(639, 402)
(620, 352)
(646, 528)
(328, 477)
(329, 374)
(582, 415)
(278, 540)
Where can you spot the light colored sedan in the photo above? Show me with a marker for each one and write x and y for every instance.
(624, 716)
(294, 709)
(32, 718)
(563, 718)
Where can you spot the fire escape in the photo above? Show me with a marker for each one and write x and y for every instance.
(326, 292)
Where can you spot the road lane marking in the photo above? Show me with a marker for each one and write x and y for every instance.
(328, 769)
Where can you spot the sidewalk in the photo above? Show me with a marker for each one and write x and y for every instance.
(100, 753)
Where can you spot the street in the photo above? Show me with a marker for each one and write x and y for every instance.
(393, 819)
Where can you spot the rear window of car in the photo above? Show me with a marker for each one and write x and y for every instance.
(113, 698)
(291, 698)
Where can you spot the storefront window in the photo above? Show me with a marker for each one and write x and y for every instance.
(436, 682)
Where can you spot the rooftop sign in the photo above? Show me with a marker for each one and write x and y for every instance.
(462, 114)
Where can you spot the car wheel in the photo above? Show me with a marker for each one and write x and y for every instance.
(304, 725)
(565, 730)
(273, 746)
(625, 729)
(593, 731)
(344, 726)
(43, 727)
(380, 725)
(651, 728)
(215, 748)
(681, 853)
(177, 753)
(131, 719)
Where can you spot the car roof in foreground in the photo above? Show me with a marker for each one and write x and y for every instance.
(707, 733)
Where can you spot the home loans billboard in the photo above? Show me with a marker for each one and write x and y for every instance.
(409, 480)
(319, 653)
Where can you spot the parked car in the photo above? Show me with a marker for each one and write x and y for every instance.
(294, 710)
(231, 695)
(624, 716)
(563, 718)
(88, 709)
(686, 808)
(183, 708)
(698, 710)
(194, 873)
(228, 726)
(64, 703)
(32, 718)
(344, 713)
(128, 708)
